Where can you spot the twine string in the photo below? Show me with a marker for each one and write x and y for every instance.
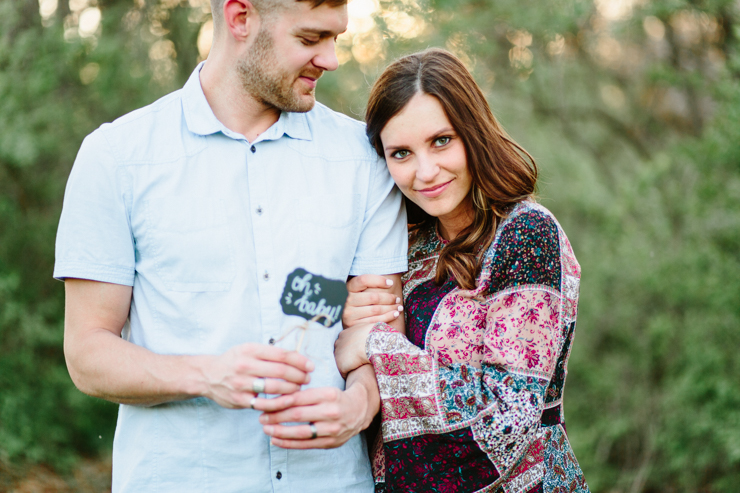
(328, 322)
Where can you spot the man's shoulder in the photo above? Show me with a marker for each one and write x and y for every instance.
(334, 130)
(152, 133)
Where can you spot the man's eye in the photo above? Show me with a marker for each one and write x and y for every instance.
(399, 154)
(309, 42)
(441, 141)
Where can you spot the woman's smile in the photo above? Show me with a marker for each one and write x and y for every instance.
(434, 191)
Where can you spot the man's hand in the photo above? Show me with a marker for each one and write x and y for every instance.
(230, 377)
(337, 415)
(372, 299)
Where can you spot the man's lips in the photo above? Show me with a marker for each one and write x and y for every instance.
(435, 190)
(310, 79)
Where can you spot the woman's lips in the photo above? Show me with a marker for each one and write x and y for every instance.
(434, 191)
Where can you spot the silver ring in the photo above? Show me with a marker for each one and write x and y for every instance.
(258, 385)
(251, 403)
(314, 434)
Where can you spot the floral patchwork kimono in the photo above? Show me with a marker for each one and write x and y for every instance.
(472, 400)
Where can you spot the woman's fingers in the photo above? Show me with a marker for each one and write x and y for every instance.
(366, 298)
(366, 281)
(366, 312)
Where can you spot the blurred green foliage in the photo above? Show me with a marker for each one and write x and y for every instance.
(631, 108)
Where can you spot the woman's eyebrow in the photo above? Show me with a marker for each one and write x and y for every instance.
(446, 130)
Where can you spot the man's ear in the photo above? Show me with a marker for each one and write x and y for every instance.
(240, 18)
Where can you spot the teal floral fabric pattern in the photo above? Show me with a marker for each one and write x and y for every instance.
(472, 395)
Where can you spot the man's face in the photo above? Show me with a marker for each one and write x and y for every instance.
(291, 51)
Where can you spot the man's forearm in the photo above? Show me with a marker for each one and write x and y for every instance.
(103, 365)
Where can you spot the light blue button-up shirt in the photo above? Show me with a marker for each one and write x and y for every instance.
(206, 226)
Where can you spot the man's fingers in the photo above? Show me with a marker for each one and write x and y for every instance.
(267, 369)
(274, 404)
(273, 353)
(327, 442)
(296, 432)
(276, 386)
(365, 281)
(304, 407)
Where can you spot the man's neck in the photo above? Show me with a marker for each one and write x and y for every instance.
(238, 110)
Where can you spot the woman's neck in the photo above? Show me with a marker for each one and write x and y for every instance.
(450, 226)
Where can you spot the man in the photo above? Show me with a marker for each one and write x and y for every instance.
(181, 222)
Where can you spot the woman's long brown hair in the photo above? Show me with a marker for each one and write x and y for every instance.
(501, 174)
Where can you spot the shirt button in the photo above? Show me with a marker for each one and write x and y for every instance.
(259, 210)
(271, 342)
(279, 475)
(254, 149)
(266, 276)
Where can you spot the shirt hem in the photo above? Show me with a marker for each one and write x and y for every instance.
(379, 267)
(93, 272)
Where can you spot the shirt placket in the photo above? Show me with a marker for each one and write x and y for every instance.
(261, 195)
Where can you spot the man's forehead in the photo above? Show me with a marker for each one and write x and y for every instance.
(324, 20)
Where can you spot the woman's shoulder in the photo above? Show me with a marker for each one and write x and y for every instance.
(526, 249)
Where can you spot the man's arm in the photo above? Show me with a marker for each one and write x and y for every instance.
(337, 415)
(103, 365)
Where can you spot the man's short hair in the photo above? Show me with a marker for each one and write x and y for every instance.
(266, 7)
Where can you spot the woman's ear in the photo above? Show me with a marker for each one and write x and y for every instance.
(240, 18)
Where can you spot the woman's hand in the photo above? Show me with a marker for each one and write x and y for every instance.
(349, 348)
(370, 300)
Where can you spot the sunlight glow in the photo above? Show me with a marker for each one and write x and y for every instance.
(48, 8)
(89, 22)
(361, 15)
(205, 39)
(615, 10)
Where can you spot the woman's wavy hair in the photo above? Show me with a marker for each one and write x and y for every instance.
(502, 172)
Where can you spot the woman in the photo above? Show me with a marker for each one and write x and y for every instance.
(472, 394)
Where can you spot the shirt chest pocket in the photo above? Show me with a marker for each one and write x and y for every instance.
(329, 226)
(190, 242)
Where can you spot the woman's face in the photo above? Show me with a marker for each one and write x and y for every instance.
(427, 160)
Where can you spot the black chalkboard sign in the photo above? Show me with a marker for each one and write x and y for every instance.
(308, 295)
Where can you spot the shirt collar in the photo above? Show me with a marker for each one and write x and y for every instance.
(200, 119)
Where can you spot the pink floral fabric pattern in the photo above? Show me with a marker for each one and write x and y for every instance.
(470, 400)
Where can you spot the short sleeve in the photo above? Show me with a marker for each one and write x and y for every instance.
(94, 239)
(383, 244)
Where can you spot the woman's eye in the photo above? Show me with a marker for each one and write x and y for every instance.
(399, 154)
(441, 141)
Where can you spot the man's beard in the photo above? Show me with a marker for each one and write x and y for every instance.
(263, 80)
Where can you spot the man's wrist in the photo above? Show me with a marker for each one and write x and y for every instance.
(195, 380)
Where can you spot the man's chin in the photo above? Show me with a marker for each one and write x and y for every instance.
(305, 103)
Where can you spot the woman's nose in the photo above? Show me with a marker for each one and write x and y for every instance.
(428, 169)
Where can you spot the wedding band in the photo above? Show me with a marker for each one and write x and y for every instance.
(251, 403)
(258, 385)
(314, 434)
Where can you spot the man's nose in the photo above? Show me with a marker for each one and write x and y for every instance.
(326, 59)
